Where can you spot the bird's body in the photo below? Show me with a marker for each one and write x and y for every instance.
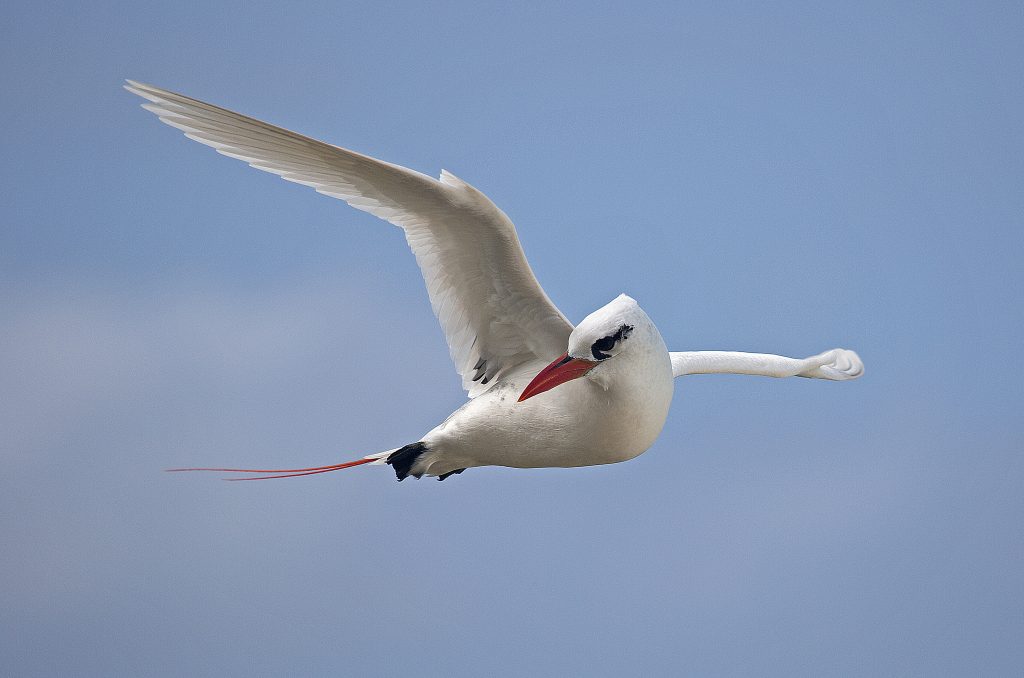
(581, 423)
(543, 393)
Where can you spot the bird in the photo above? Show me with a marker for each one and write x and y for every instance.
(541, 391)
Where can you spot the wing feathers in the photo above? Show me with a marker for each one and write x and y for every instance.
(837, 364)
(492, 310)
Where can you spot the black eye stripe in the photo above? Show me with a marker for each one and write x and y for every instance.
(604, 344)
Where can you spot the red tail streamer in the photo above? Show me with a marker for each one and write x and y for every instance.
(282, 472)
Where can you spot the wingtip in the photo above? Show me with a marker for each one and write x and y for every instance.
(140, 88)
(846, 365)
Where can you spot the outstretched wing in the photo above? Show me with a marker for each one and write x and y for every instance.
(492, 309)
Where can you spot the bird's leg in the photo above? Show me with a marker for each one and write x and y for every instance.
(404, 459)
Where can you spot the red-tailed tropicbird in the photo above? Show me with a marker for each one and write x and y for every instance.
(510, 344)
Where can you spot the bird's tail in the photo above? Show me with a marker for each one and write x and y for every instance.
(268, 474)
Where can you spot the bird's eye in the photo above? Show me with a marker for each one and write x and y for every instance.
(602, 346)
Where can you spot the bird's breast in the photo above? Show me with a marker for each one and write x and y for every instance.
(578, 423)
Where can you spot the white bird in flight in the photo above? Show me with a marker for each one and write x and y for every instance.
(542, 393)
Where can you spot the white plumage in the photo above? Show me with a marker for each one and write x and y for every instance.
(614, 376)
(481, 287)
(837, 364)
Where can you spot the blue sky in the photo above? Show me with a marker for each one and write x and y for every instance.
(785, 179)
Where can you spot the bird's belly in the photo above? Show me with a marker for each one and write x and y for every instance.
(583, 426)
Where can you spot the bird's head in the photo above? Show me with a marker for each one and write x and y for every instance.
(602, 341)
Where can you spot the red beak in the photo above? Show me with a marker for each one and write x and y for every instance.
(560, 371)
